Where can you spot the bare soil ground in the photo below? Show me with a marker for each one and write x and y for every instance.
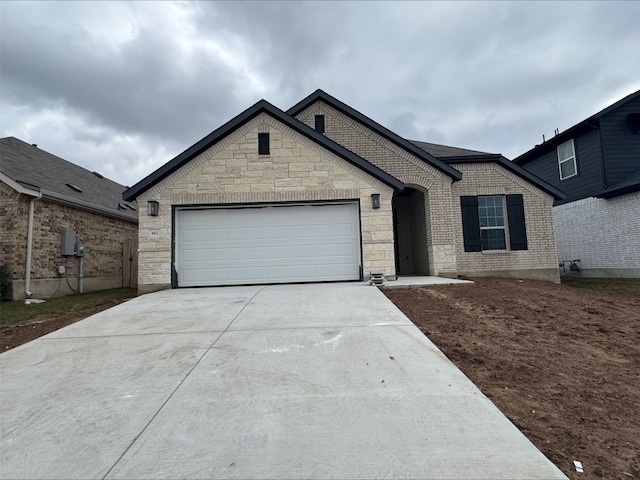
(562, 363)
(16, 334)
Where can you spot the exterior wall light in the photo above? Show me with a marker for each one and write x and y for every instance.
(153, 207)
(375, 201)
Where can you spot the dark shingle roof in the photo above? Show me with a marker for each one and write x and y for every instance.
(57, 178)
(455, 155)
(443, 151)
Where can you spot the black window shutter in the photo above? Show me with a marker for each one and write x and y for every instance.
(263, 144)
(320, 123)
(517, 227)
(470, 224)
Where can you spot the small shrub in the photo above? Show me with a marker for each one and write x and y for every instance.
(5, 282)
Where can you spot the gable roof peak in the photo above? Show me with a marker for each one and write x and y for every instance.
(262, 106)
(377, 128)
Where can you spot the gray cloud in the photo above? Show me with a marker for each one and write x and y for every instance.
(123, 87)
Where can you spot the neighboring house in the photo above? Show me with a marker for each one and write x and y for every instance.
(49, 207)
(597, 164)
(323, 193)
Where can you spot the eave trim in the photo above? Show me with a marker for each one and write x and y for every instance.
(220, 133)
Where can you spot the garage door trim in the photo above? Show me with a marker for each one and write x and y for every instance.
(175, 209)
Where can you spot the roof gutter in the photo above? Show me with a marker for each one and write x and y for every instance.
(64, 199)
(74, 202)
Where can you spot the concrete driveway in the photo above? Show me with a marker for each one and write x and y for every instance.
(290, 381)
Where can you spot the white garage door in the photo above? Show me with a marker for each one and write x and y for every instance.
(272, 244)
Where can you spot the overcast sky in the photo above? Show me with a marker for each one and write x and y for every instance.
(122, 88)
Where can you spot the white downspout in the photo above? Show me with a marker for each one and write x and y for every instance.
(27, 278)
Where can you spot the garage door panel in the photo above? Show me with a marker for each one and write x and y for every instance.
(290, 252)
(194, 235)
(289, 231)
(246, 233)
(196, 256)
(239, 273)
(275, 244)
(326, 270)
(341, 252)
(245, 253)
(197, 276)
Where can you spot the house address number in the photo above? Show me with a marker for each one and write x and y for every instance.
(154, 233)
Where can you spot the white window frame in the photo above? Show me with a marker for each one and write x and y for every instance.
(502, 227)
(572, 159)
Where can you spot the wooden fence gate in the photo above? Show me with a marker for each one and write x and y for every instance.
(130, 264)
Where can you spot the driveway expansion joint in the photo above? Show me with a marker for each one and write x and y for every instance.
(180, 383)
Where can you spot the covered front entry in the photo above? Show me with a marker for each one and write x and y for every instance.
(257, 244)
(410, 232)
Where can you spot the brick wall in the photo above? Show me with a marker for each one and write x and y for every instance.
(102, 235)
(604, 234)
(540, 259)
(13, 229)
(232, 172)
(411, 170)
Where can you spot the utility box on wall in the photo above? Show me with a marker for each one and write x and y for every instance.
(68, 243)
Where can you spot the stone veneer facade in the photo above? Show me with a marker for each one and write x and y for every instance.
(428, 217)
(231, 172)
(102, 235)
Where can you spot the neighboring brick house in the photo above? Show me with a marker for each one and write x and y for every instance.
(323, 193)
(40, 196)
(597, 164)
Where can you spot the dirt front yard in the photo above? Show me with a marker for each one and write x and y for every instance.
(20, 323)
(562, 363)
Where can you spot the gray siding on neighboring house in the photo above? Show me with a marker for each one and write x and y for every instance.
(620, 144)
(607, 153)
(588, 162)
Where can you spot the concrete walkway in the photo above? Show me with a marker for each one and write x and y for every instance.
(291, 381)
(422, 281)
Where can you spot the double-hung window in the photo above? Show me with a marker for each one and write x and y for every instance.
(486, 219)
(491, 216)
(567, 160)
